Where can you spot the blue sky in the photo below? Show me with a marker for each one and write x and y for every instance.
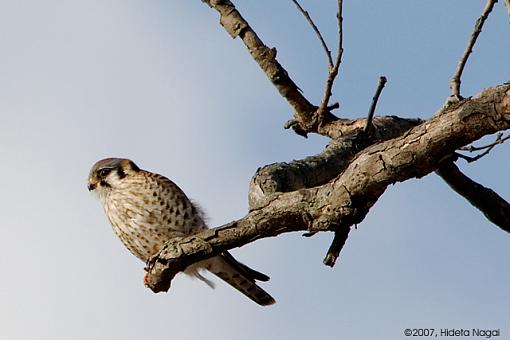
(162, 83)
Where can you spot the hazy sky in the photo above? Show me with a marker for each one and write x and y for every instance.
(162, 83)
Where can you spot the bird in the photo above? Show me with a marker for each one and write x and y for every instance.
(146, 209)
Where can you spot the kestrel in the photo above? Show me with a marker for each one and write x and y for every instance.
(146, 209)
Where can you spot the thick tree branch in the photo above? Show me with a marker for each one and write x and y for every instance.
(493, 206)
(456, 79)
(345, 200)
(320, 169)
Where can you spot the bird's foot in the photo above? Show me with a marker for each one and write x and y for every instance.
(148, 267)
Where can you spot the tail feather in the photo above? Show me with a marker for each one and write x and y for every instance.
(240, 276)
(255, 275)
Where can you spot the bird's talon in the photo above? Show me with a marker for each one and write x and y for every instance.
(149, 264)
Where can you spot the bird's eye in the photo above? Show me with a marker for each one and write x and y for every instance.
(104, 172)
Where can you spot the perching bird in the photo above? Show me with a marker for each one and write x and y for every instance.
(147, 209)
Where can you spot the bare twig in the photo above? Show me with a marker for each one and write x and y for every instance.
(336, 246)
(333, 69)
(324, 109)
(468, 159)
(493, 206)
(455, 81)
(499, 140)
(317, 32)
(369, 126)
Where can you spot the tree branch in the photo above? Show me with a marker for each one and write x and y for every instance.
(317, 32)
(308, 118)
(499, 140)
(322, 113)
(320, 169)
(345, 200)
(380, 85)
(336, 246)
(493, 206)
(237, 26)
(455, 81)
(305, 120)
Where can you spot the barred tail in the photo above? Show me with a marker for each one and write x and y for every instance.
(240, 276)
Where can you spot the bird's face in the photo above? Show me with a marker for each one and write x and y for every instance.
(108, 173)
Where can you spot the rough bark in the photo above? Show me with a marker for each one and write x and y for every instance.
(345, 199)
(319, 169)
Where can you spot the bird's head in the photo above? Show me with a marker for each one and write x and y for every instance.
(107, 173)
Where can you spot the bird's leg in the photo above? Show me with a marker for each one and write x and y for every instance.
(148, 266)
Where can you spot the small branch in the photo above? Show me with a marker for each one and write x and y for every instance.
(317, 32)
(493, 206)
(336, 246)
(369, 127)
(470, 159)
(333, 69)
(456, 79)
(467, 158)
(507, 4)
(487, 148)
(499, 140)
(322, 114)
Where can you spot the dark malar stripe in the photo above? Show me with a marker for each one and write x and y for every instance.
(121, 173)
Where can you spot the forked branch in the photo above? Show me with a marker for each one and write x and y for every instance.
(323, 116)
(333, 68)
(499, 140)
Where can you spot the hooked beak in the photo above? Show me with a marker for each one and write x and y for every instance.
(91, 186)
